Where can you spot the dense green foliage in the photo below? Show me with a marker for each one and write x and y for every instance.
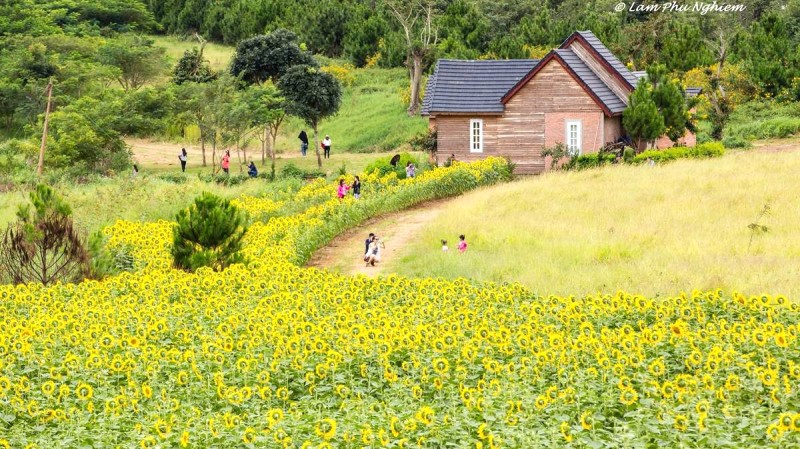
(703, 150)
(208, 234)
(641, 118)
(383, 166)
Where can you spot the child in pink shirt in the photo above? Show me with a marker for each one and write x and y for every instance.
(343, 188)
(462, 243)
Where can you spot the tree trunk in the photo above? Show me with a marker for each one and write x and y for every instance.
(239, 154)
(316, 145)
(264, 142)
(214, 155)
(203, 146)
(416, 79)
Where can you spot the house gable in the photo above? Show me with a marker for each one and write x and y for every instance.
(593, 86)
(603, 55)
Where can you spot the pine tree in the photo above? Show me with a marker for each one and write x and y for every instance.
(670, 101)
(641, 118)
(209, 234)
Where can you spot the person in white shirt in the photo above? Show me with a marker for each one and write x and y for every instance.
(326, 147)
(182, 157)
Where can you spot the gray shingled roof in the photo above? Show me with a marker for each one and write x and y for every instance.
(606, 54)
(592, 81)
(472, 86)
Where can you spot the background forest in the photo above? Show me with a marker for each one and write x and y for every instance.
(114, 65)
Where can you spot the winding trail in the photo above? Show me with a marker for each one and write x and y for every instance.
(344, 254)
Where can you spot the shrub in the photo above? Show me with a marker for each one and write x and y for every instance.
(591, 160)
(425, 141)
(383, 165)
(628, 154)
(175, 178)
(736, 142)
(704, 150)
(291, 171)
(208, 234)
(43, 245)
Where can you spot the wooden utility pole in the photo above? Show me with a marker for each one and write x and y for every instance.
(40, 167)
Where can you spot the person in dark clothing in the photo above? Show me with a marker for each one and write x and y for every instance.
(252, 170)
(303, 142)
(356, 188)
(366, 245)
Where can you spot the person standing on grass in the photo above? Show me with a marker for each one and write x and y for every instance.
(135, 171)
(326, 146)
(356, 188)
(303, 142)
(182, 158)
(226, 162)
(342, 190)
(462, 243)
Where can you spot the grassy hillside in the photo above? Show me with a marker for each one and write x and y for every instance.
(219, 56)
(652, 230)
(372, 116)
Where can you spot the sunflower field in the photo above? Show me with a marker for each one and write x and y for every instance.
(271, 354)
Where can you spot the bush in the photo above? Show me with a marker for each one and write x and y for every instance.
(736, 142)
(208, 234)
(704, 150)
(291, 171)
(591, 160)
(383, 165)
(425, 141)
(175, 178)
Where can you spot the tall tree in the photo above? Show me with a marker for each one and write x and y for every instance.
(138, 60)
(417, 18)
(641, 118)
(668, 97)
(311, 95)
(268, 57)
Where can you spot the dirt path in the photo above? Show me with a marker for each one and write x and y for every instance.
(778, 145)
(344, 254)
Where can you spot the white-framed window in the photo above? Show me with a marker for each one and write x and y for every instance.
(573, 137)
(476, 135)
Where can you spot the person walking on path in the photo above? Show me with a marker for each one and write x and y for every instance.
(182, 158)
(226, 162)
(326, 146)
(356, 188)
(342, 190)
(252, 170)
(303, 142)
(462, 243)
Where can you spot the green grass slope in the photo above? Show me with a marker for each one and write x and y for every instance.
(652, 230)
(372, 116)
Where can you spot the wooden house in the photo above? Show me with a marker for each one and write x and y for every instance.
(575, 95)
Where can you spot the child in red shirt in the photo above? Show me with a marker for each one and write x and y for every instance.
(462, 244)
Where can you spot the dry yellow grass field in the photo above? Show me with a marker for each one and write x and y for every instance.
(651, 230)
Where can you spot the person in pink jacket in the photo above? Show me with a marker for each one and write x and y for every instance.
(226, 161)
(342, 190)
